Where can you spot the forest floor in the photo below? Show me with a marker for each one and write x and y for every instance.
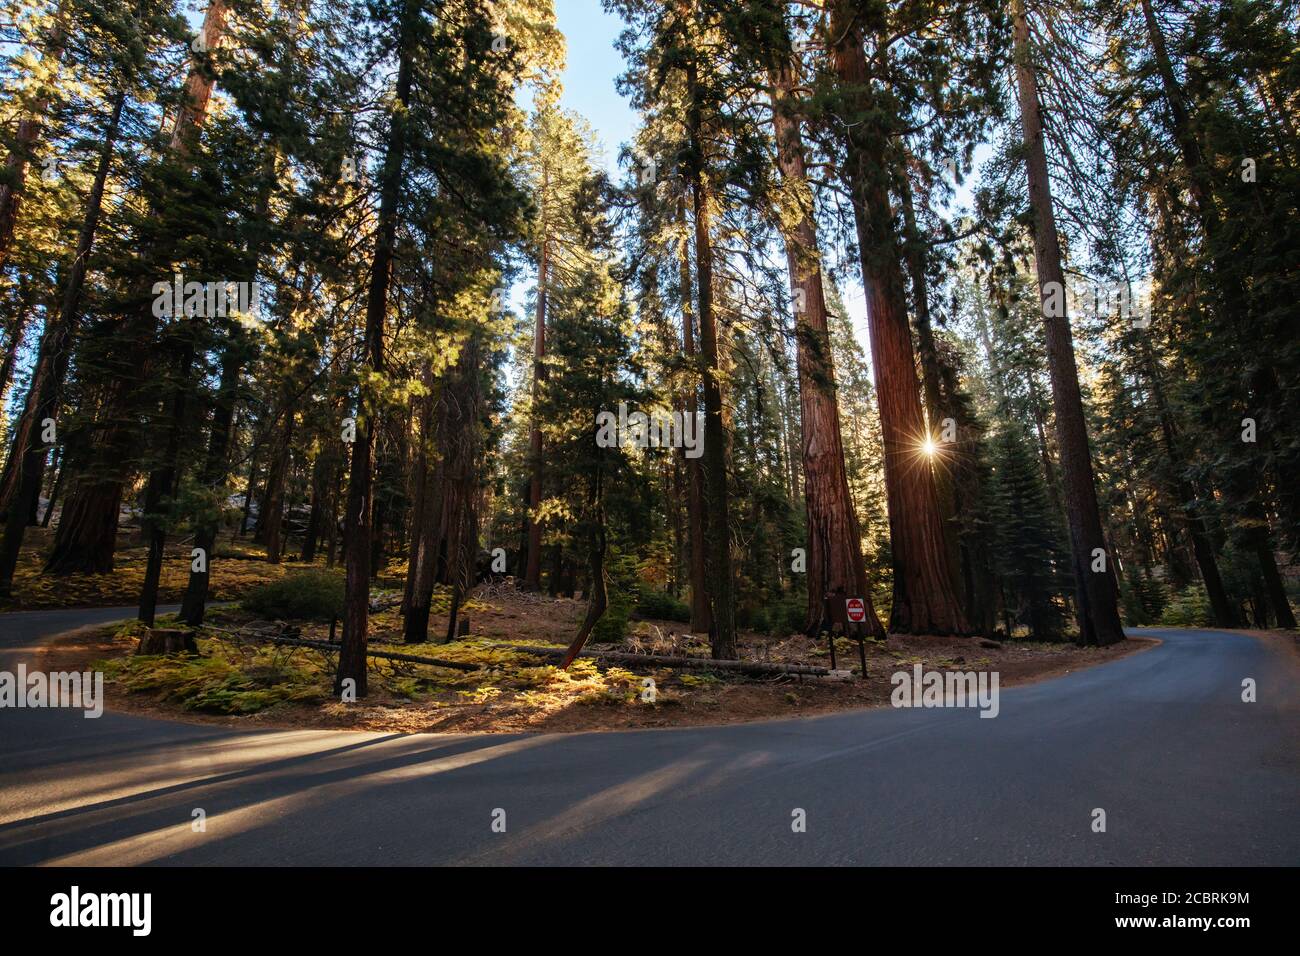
(238, 566)
(236, 682)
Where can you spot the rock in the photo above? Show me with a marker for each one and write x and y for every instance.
(987, 643)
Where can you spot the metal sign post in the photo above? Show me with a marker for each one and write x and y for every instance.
(856, 609)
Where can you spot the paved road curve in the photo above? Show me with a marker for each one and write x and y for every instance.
(1186, 772)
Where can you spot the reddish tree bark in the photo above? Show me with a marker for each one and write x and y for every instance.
(834, 559)
(925, 595)
(937, 408)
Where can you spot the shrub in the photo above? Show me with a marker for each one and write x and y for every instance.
(1190, 607)
(789, 617)
(1144, 600)
(661, 606)
(302, 596)
(612, 626)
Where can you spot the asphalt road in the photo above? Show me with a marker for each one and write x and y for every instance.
(1186, 773)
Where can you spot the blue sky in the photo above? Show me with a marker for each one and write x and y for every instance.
(592, 66)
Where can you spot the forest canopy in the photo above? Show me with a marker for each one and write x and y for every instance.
(348, 282)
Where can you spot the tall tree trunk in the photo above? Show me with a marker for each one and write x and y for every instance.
(200, 82)
(835, 568)
(1096, 594)
(51, 367)
(14, 332)
(937, 407)
(321, 470)
(54, 492)
(420, 560)
(216, 464)
(250, 487)
(162, 486)
(674, 485)
(925, 595)
(271, 515)
(701, 606)
(1274, 587)
(598, 599)
(533, 569)
(356, 603)
(717, 529)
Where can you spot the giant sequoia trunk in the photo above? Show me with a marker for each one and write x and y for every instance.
(925, 594)
(1096, 595)
(356, 601)
(835, 566)
(717, 530)
(937, 407)
(29, 451)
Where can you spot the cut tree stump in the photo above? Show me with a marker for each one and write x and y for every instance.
(158, 640)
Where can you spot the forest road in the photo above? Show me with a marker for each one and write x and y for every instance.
(1162, 742)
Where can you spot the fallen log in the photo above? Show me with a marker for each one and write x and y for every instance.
(658, 660)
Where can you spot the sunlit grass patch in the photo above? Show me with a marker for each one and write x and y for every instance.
(222, 678)
(230, 579)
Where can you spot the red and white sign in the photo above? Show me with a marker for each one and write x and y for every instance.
(857, 610)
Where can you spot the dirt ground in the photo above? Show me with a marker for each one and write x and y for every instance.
(592, 695)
